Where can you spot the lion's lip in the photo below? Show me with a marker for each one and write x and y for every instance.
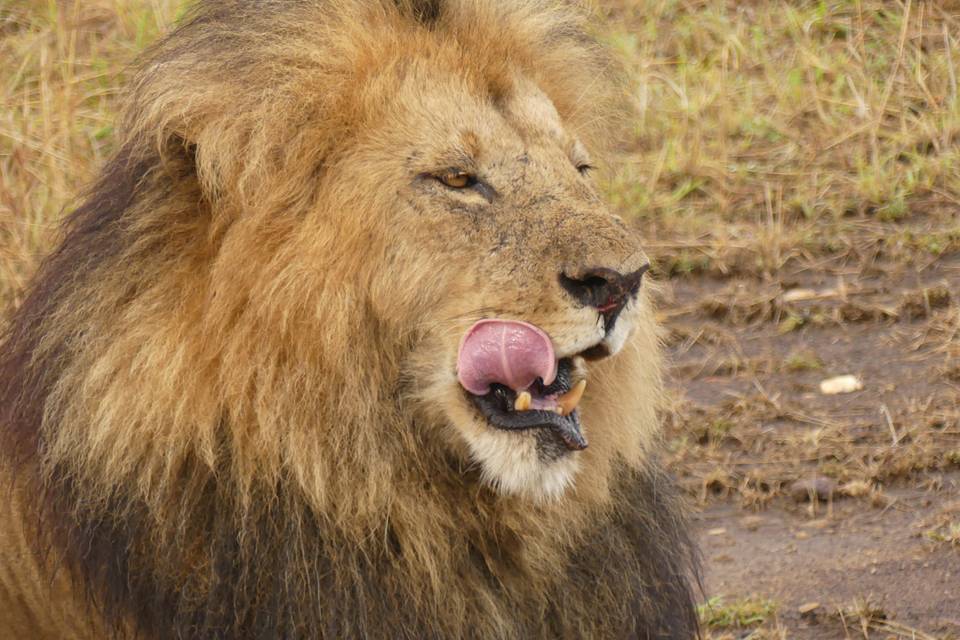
(498, 407)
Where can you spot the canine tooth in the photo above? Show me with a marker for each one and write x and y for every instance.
(569, 401)
(523, 402)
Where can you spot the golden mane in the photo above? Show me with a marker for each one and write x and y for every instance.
(208, 467)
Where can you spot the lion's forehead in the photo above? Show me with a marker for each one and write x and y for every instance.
(466, 117)
(533, 111)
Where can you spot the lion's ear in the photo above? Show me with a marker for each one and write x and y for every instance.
(237, 144)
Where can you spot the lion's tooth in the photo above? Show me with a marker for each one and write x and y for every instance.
(569, 401)
(523, 402)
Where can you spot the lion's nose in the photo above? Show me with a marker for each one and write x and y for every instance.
(605, 289)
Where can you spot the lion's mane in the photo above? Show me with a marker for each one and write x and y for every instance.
(204, 466)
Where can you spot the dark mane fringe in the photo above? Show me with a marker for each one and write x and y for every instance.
(92, 235)
(329, 586)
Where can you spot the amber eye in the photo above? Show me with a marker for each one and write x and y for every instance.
(457, 179)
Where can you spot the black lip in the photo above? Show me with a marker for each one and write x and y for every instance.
(497, 407)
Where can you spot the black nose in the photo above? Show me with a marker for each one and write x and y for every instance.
(604, 289)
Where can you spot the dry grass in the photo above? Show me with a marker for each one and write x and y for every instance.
(864, 619)
(756, 447)
(772, 427)
(944, 527)
(796, 169)
(772, 133)
(63, 69)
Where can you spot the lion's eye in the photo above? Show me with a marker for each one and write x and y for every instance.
(584, 168)
(457, 179)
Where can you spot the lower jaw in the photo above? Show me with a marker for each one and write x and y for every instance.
(552, 432)
(553, 429)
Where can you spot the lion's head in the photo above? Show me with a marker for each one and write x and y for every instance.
(484, 208)
(268, 310)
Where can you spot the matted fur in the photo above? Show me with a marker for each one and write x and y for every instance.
(231, 383)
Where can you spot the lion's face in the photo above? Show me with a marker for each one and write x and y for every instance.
(489, 211)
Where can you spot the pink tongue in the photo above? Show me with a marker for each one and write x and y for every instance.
(508, 352)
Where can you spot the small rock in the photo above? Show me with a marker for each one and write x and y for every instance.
(840, 384)
(804, 490)
(716, 532)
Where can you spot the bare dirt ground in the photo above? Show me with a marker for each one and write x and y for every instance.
(847, 505)
(847, 553)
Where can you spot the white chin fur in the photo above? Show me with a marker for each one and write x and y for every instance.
(510, 464)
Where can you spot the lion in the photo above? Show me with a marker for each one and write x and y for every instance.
(344, 343)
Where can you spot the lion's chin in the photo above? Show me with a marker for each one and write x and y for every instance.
(513, 464)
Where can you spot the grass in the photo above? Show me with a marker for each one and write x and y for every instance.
(863, 617)
(768, 133)
(803, 360)
(64, 67)
(752, 618)
(773, 132)
(719, 614)
(948, 534)
(944, 528)
(772, 427)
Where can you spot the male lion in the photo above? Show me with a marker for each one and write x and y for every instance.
(309, 362)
